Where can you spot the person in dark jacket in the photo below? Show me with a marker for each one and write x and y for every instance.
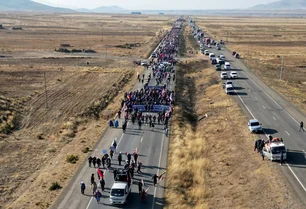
(89, 161)
(301, 126)
(94, 161)
(155, 177)
(92, 178)
(140, 187)
(120, 158)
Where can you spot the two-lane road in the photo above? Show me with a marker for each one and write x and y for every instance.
(279, 118)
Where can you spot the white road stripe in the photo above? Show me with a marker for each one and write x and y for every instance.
(264, 107)
(141, 139)
(287, 133)
(255, 97)
(274, 118)
(268, 137)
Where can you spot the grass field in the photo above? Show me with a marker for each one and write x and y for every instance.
(82, 93)
(263, 42)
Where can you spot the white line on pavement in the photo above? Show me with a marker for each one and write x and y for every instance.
(268, 137)
(264, 107)
(158, 170)
(296, 177)
(287, 133)
(255, 97)
(273, 100)
(141, 139)
(274, 118)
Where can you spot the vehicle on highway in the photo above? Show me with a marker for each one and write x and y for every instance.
(119, 193)
(274, 149)
(229, 89)
(154, 55)
(209, 46)
(212, 56)
(254, 126)
(218, 67)
(206, 52)
(233, 74)
(214, 61)
(227, 66)
(222, 57)
(143, 62)
(219, 61)
(223, 75)
(228, 83)
(120, 189)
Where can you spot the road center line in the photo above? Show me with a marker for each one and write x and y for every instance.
(287, 133)
(267, 137)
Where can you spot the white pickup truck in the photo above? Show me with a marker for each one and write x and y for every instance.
(274, 149)
(120, 189)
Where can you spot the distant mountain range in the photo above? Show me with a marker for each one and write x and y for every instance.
(29, 6)
(282, 5)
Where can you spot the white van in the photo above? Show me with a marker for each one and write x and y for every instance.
(119, 193)
(227, 66)
(229, 89)
(212, 56)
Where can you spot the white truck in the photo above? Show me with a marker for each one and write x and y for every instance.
(274, 148)
(120, 189)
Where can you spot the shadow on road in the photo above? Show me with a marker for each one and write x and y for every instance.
(241, 93)
(239, 88)
(296, 158)
(269, 131)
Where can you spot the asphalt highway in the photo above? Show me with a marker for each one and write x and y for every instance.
(278, 117)
(152, 149)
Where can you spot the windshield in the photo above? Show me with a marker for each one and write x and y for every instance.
(255, 124)
(278, 150)
(117, 192)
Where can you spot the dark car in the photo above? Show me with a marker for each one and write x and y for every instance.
(214, 62)
(218, 67)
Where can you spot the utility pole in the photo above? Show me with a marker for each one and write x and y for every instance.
(281, 71)
(46, 90)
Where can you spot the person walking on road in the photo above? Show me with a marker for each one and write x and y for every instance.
(301, 126)
(139, 167)
(120, 158)
(98, 196)
(115, 174)
(155, 177)
(102, 184)
(111, 153)
(92, 178)
(135, 157)
(119, 114)
(282, 158)
(94, 187)
(103, 161)
(94, 161)
(140, 187)
(89, 161)
(83, 187)
(98, 162)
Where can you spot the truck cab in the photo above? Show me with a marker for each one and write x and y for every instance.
(119, 193)
(274, 149)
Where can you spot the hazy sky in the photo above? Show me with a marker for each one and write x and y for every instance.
(158, 4)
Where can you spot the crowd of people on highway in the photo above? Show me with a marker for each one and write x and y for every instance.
(158, 94)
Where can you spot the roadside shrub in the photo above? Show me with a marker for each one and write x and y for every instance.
(72, 159)
(86, 149)
(55, 186)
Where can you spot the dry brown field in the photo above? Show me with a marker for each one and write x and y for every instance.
(262, 42)
(38, 135)
(211, 160)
